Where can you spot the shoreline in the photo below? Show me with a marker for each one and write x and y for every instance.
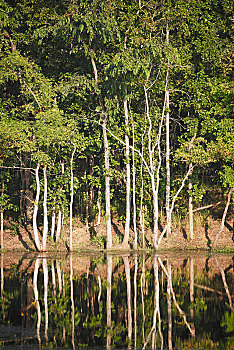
(20, 238)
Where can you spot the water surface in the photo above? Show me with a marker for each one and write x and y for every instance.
(139, 301)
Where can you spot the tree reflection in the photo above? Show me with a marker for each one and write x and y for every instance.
(156, 314)
(224, 283)
(192, 293)
(36, 294)
(135, 300)
(169, 312)
(72, 303)
(108, 301)
(181, 312)
(74, 307)
(2, 286)
(129, 302)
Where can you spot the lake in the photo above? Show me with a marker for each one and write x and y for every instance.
(103, 301)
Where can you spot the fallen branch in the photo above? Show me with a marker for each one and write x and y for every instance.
(207, 207)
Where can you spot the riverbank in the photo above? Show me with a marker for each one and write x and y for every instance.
(20, 238)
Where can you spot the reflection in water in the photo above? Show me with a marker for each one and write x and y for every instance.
(108, 301)
(129, 298)
(35, 277)
(142, 298)
(135, 300)
(192, 293)
(2, 288)
(87, 302)
(224, 283)
(72, 303)
(45, 271)
(169, 308)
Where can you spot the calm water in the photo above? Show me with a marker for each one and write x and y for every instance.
(139, 301)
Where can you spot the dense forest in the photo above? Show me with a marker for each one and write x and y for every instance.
(115, 109)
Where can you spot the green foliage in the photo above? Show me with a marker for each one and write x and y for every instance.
(50, 101)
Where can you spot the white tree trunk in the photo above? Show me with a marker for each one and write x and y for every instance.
(45, 226)
(71, 200)
(99, 211)
(53, 218)
(168, 175)
(128, 176)
(59, 224)
(142, 221)
(134, 186)
(107, 165)
(190, 187)
(35, 230)
(60, 213)
(151, 149)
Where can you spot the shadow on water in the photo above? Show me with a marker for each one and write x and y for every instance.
(130, 301)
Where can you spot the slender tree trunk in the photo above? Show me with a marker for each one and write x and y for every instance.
(142, 223)
(22, 188)
(190, 187)
(53, 219)
(2, 276)
(151, 149)
(60, 213)
(99, 211)
(107, 183)
(223, 218)
(128, 176)
(1, 210)
(134, 185)
(59, 224)
(86, 199)
(107, 165)
(72, 195)
(45, 226)
(28, 195)
(35, 230)
(168, 175)
(173, 203)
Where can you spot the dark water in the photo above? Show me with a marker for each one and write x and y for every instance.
(139, 301)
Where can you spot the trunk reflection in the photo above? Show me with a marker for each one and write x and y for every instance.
(98, 301)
